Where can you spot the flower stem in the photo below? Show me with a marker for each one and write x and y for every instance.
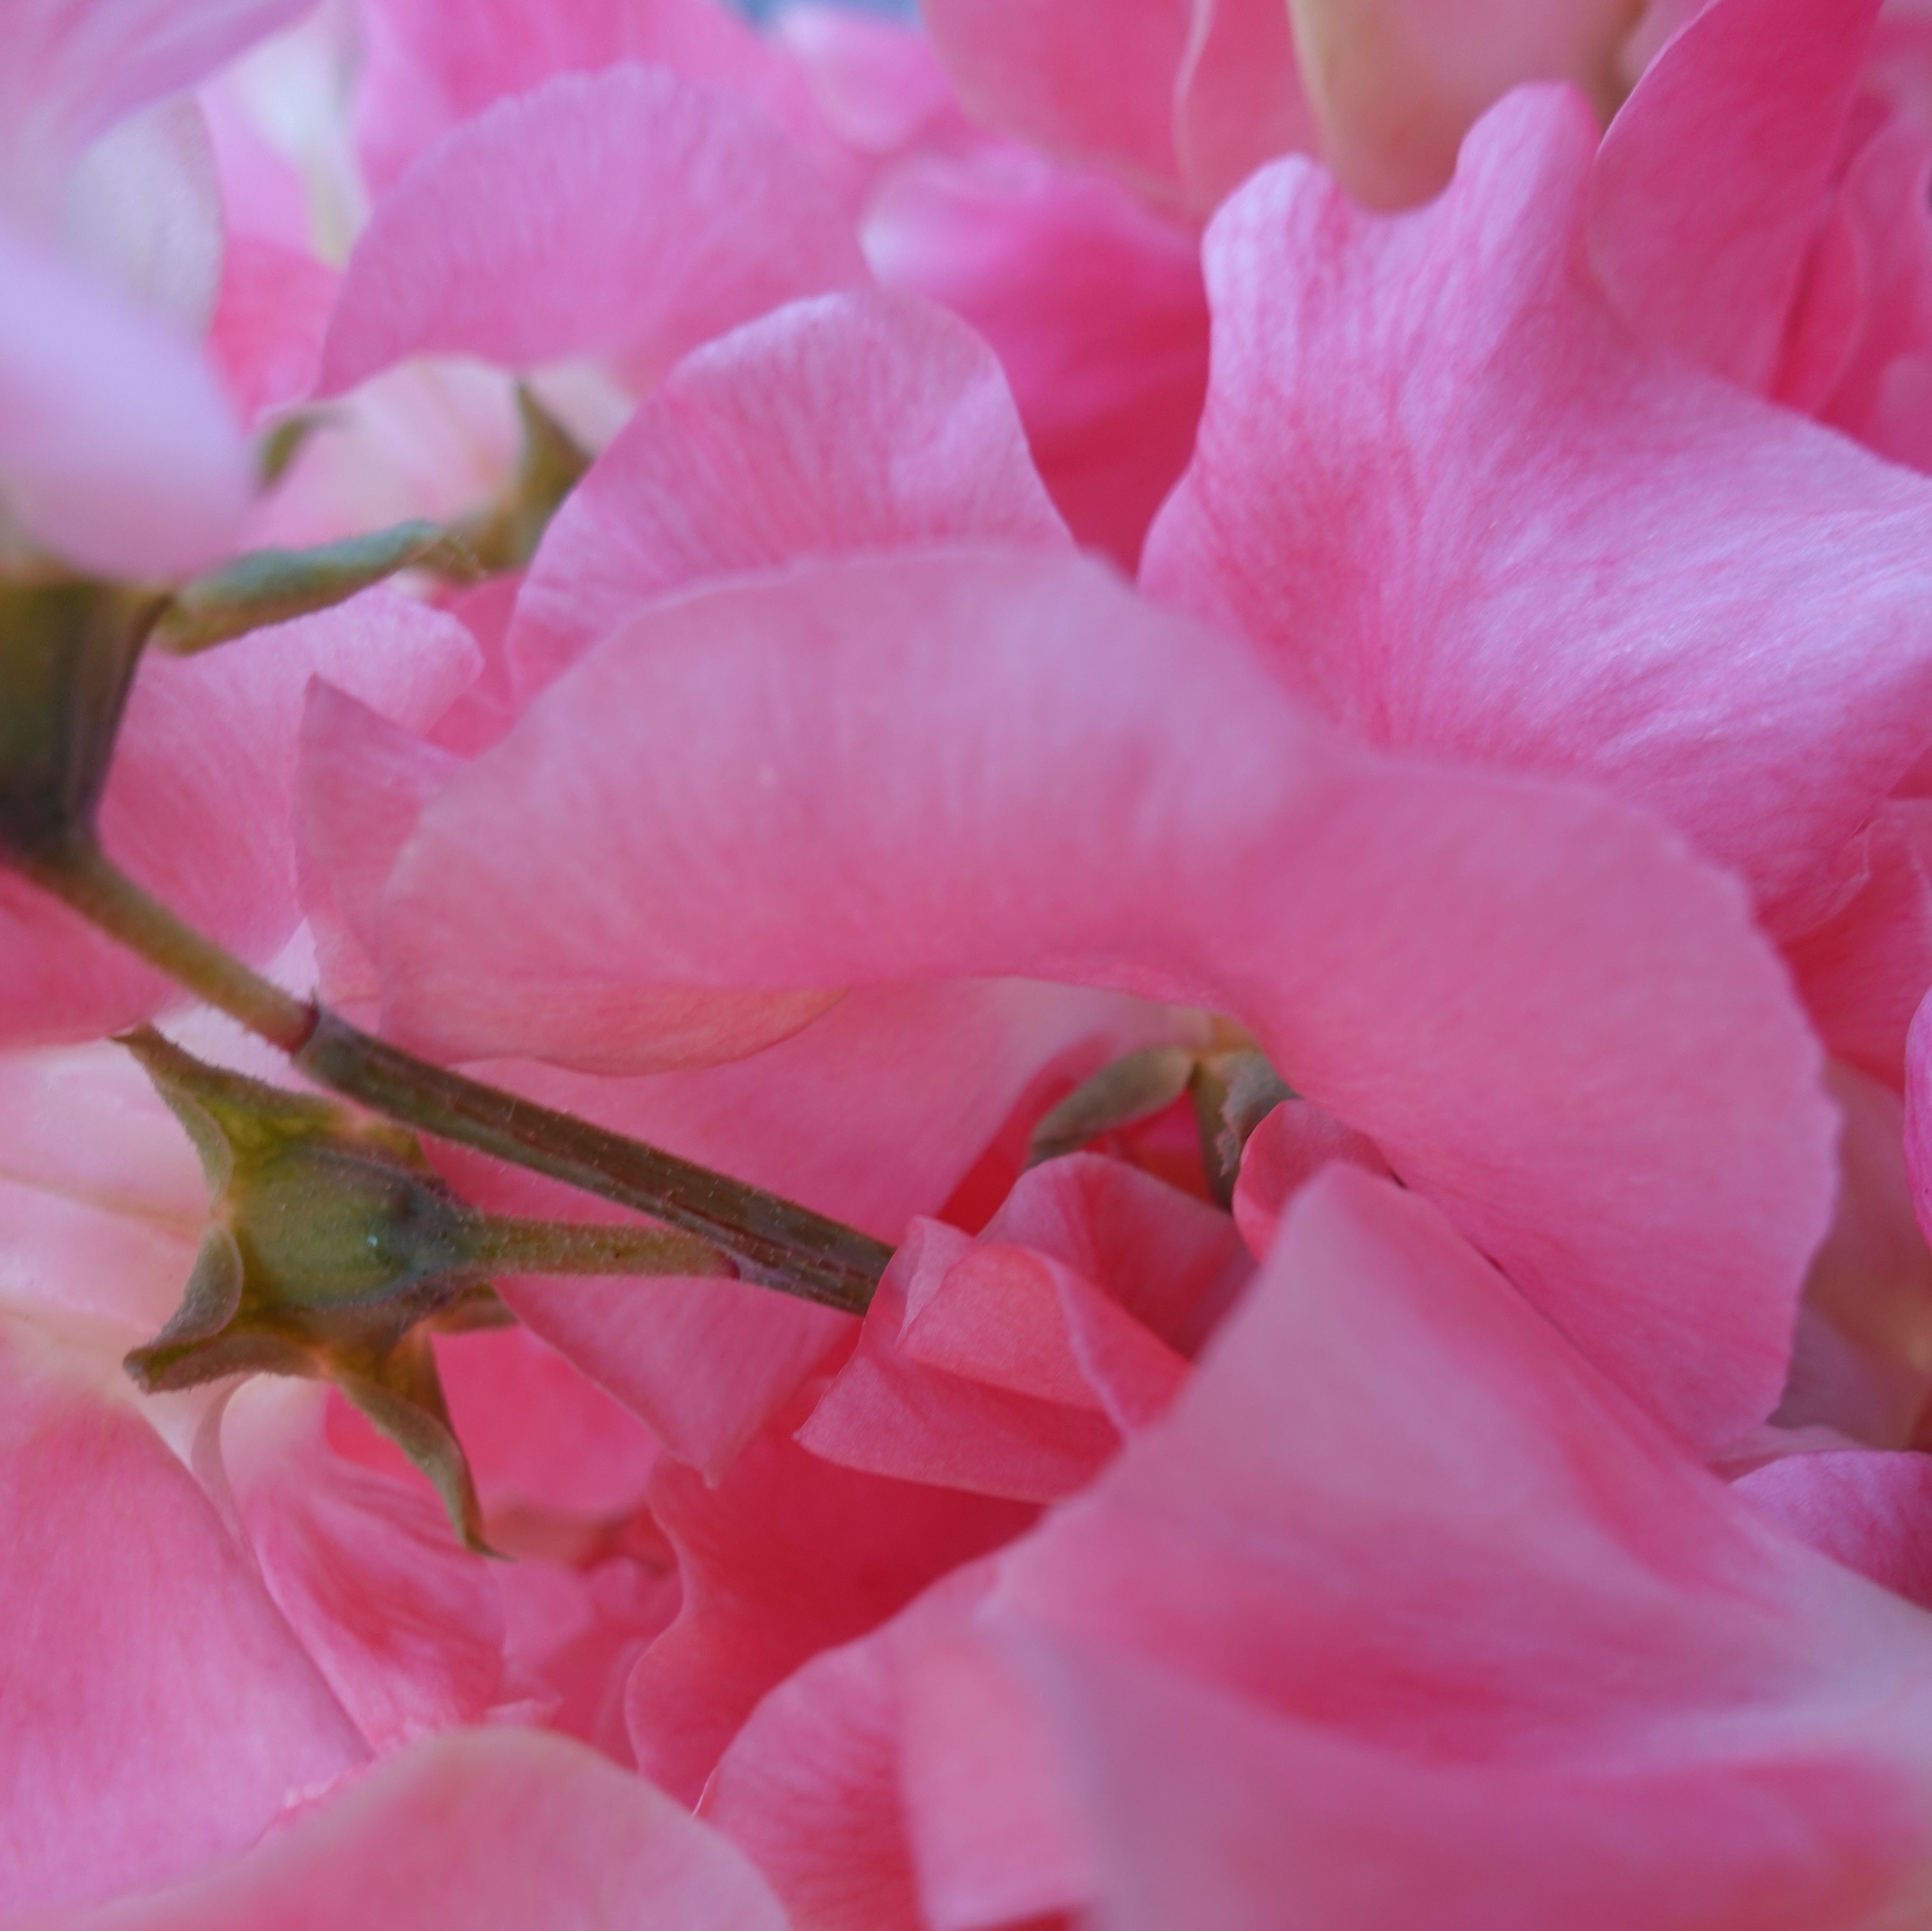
(774, 1241)
(585, 1247)
(81, 876)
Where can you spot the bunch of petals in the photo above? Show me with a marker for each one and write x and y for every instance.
(1515, 732)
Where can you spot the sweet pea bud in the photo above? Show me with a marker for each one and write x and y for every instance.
(68, 647)
(334, 1248)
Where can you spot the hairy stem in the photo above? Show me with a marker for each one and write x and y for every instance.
(584, 1247)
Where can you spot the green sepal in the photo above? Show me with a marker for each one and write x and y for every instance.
(403, 1396)
(270, 586)
(1123, 1094)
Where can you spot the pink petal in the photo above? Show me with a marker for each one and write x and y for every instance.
(1283, 1154)
(1093, 304)
(876, 80)
(891, 1414)
(483, 1830)
(159, 1711)
(1863, 972)
(973, 765)
(1396, 83)
(119, 451)
(1087, 80)
(786, 1557)
(850, 423)
(1707, 190)
(1638, 575)
(1396, 1524)
(70, 68)
(811, 1788)
(431, 64)
(361, 785)
(626, 215)
(1872, 1512)
(1237, 98)
(267, 332)
(404, 1624)
(199, 809)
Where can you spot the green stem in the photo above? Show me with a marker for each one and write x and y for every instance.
(775, 1241)
(585, 1247)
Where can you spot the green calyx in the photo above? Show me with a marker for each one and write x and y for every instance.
(334, 1251)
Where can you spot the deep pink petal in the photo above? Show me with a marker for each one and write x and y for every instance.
(850, 423)
(483, 1830)
(1093, 304)
(160, 1712)
(626, 215)
(891, 769)
(119, 451)
(431, 64)
(1450, 499)
(1087, 80)
(1707, 190)
(199, 806)
(786, 1557)
(267, 332)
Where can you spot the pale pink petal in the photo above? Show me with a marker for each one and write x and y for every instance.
(160, 1712)
(787, 1556)
(199, 806)
(1872, 1512)
(403, 1623)
(846, 423)
(484, 1830)
(1237, 97)
(627, 214)
(102, 1199)
(1396, 1521)
(1290, 1146)
(119, 451)
(1087, 80)
(1706, 191)
(1092, 301)
(70, 68)
(1396, 83)
(1450, 499)
(875, 80)
(962, 765)
(431, 64)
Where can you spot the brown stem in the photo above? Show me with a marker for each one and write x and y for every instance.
(81, 875)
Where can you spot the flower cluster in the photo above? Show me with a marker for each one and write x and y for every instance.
(1198, 732)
